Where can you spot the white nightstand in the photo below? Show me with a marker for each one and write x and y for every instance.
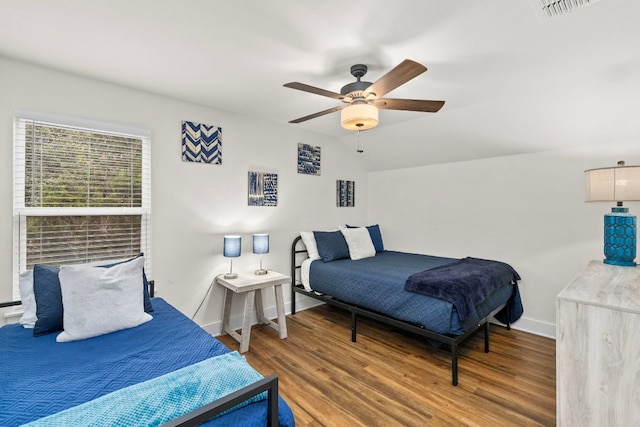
(252, 284)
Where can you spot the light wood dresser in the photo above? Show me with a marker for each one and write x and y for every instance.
(598, 348)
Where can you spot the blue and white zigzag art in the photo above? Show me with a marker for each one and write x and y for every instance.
(201, 143)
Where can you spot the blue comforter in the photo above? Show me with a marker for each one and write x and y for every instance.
(40, 377)
(377, 283)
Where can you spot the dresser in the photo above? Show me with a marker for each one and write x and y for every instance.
(598, 348)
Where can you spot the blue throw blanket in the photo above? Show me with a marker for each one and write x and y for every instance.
(159, 400)
(464, 283)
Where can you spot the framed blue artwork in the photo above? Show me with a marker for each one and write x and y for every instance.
(308, 159)
(263, 189)
(345, 193)
(201, 143)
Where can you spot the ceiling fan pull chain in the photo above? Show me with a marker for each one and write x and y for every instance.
(359, 150)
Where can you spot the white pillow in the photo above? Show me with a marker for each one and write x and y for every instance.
(310, 242)
(359, 242)
(98, 300)
(28, 299)
(305, 269)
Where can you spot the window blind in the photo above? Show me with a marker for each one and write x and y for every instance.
(81, 193)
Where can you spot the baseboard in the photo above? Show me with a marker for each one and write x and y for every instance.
(303, 303)
(535, 327)
(215, 328)
(524, 324)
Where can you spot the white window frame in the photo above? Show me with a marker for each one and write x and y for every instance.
(20, 211)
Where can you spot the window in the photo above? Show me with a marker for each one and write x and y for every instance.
(81, 193)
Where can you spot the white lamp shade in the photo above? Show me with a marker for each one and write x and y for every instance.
(232, 246)
(260, 243)
(359, 117)
(617, 184)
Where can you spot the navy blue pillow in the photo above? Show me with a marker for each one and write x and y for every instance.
(48, 296)
(376, 236)
(46, 290)
(331, 245)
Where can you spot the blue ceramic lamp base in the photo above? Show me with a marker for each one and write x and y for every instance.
(620, 237)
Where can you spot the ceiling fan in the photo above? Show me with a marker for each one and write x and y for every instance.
(362, 100)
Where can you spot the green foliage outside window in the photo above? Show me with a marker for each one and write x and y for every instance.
(71, 168)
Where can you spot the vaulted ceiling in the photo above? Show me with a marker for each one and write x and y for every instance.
(513, 80)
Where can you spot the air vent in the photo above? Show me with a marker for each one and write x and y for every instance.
(553, 8)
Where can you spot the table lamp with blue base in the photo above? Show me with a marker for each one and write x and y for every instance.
(618, 184)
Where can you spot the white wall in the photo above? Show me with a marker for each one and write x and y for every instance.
(526, 210)
(193, 205)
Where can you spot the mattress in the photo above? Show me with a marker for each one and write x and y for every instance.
(377, 284)
(40, 377)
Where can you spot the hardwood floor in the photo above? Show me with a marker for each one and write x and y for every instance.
(392, 378)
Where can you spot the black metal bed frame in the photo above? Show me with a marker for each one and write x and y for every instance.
(453, 341)
(204, 413)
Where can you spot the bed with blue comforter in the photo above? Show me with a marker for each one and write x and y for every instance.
(443, 299)
(44, 378)
(378, 283)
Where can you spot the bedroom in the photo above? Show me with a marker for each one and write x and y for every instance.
(530, 105)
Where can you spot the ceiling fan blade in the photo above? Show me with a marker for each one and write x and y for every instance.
(311, 89)
(318, 114)
(399, 75)
(409, 105)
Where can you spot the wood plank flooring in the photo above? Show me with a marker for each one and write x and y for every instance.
(392, 378)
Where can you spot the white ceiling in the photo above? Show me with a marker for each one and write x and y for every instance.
(513, 81)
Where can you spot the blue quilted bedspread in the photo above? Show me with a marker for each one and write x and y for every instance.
(40, 377)
(377, 283)
(164, 398)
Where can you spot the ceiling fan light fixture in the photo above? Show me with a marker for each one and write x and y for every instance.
(364, 99)
(359, 117)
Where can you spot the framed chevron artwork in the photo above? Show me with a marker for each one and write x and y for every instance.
(345, 193)
(308, 159)
(201, 143)
(263, 189)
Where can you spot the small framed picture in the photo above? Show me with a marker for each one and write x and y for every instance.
(345, 193)
(201, 143)
(263, 189)
(308, 159)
